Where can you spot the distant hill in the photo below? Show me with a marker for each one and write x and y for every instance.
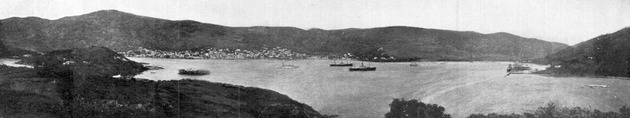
(122, 31)
(605, 55)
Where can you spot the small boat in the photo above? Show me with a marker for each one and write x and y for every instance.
(340, 64)
(154, 67)
(288, 66)
(193, 72)
(414, 64)
(595, 85)
(362, 68)
(117, 76)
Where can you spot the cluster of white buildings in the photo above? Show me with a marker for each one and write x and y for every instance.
(265, 53)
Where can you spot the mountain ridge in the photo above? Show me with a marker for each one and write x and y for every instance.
(123, 31)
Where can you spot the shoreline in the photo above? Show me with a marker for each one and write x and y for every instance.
(13, 63)
(577, 76)
(485, 61)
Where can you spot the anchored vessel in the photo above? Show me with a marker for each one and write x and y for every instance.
(362, 68)
(335, 64)
(193, 72)
(288, 66)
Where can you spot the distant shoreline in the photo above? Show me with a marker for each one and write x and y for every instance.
(324, 59)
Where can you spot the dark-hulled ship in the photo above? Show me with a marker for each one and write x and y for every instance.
(288, 66)
(193, 72)
(362, 68)
(340, 64)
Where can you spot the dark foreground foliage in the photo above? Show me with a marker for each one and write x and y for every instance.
(554, 111)
(401, 108)
(113, 97)
(26, 104)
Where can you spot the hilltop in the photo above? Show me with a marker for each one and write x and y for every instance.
(122, 31)
(604, 55)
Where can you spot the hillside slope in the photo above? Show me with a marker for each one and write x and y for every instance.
(605, 55)
(123, 31)
(11, 52)
(3, 50)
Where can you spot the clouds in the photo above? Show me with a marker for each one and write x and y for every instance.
(567, 21)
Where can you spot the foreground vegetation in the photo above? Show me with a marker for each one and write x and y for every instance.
(401, 108)
(552, 110)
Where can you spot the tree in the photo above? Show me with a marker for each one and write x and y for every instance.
(401, 108)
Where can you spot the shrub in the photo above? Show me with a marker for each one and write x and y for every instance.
(552, 110)
(401, 108)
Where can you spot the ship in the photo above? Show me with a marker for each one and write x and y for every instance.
(288, 66)
(193, 72)
(362, 68)
(340, 64)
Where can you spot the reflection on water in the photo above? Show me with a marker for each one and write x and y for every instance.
(461, 87)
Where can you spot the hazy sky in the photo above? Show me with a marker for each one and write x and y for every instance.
(565, 21)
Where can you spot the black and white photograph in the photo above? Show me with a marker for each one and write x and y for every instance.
(314, 58)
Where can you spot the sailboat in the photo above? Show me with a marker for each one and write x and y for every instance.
(340, 64)
(362, 68)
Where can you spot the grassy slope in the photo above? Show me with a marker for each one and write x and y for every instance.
(26, 95)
